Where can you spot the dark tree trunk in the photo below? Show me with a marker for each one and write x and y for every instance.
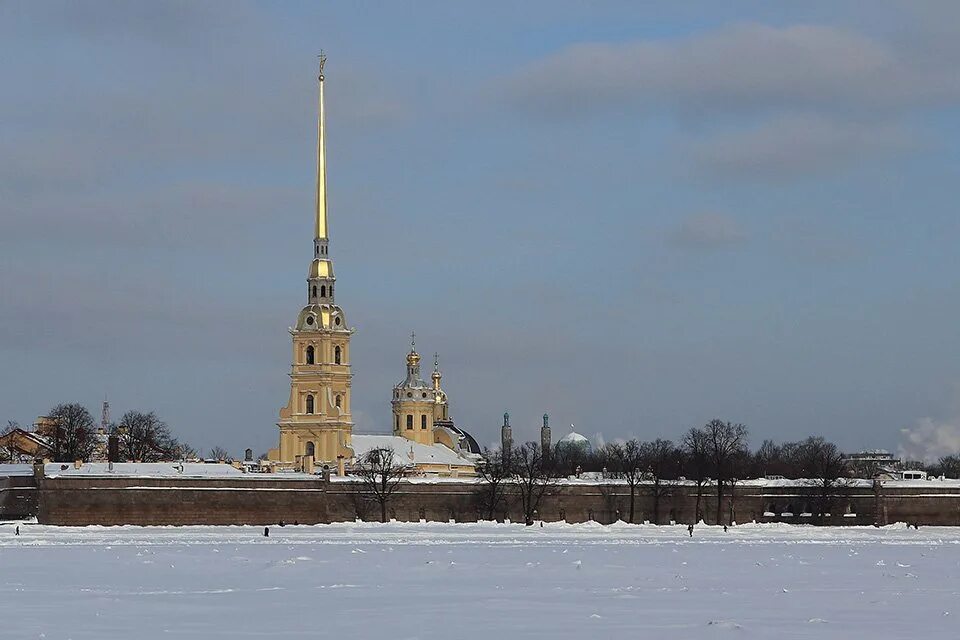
(383, 511)
(656, 502)
(719, 501)
(696, 515)
(633, 499)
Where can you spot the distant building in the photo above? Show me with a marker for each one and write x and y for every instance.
(574, 441)
(872, 463)
(18, 445)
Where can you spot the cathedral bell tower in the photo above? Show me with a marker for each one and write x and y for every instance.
(415, 402)
(316, 421)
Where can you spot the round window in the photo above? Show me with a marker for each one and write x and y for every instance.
(409, 395)
(309, 319)
(337, 321)
(424, 395)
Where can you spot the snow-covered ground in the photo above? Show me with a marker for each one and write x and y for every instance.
(484, 581)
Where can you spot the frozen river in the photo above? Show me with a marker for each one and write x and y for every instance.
(485, 581)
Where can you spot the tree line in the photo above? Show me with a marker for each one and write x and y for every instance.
(713, 458)
(73, 434)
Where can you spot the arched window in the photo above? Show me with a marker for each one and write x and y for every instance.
(310, 355)
(338, 402)
(323, 291)
(396, 423)
(423, 422)
(336, 355)
(309, 404)
(314, 291)
(409, 422)
(311, 449)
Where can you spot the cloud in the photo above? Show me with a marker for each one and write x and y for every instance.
(795, 146)
(739, 68)
(929, 439)
(708, 231)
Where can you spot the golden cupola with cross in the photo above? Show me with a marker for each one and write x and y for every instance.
(316, 422)
(414, 402)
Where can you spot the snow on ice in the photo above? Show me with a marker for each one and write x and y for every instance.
(484, 580)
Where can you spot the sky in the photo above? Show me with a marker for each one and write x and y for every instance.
(633, 216)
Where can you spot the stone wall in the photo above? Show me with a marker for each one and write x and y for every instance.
(18, 497)
(262, 501)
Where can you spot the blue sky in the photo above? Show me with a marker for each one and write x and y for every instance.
(633, 216)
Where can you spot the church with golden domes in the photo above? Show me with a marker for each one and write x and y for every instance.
(316, 426)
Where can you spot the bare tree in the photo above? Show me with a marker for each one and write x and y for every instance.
(7, 453)
(566, 458)
(220, 454)
(660, 458)
(696, 462)
(184, 451)
(948, 466)
(823, 470)
(144, 437)
(627, 463)
(494, 474)
(740, 467)
(533, 478)
(380, 475)
(725, 441)
(71, 431)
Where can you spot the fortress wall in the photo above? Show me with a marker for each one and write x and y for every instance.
(179, 501)
(191, 501)
(18, 497)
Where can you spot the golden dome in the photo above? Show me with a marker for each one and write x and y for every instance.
(413, 358)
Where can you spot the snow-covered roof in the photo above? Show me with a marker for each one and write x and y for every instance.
(142, 469)
(422, 453)
(7, 470)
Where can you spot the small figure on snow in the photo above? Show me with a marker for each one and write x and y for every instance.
(724, 528)
(690, 529)
(18, 530)
(266, 532)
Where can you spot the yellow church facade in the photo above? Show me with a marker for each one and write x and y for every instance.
(316, 425)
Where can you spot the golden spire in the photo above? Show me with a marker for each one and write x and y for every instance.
(321, 224)
(436, 372)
